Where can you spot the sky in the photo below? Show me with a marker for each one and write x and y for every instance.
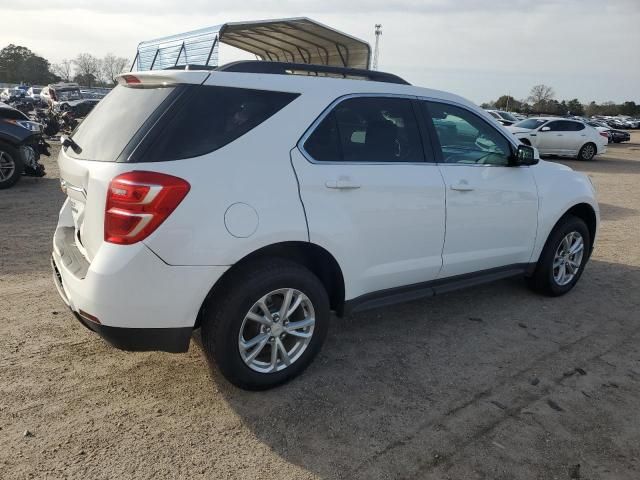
(480, 49)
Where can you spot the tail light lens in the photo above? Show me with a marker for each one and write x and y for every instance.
(138, 202)
(604, 134)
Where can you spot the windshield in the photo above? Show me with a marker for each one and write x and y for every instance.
(36, 90)
(508, 116)
(530, 123)
(114, 121)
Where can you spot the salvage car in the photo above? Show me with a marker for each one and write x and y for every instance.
(67, 96)
(252, 200)
(504, 118)
(561, 136)
(21, 145)
(615, 135)
(34, 94)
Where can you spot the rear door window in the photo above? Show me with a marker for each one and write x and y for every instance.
(210, 117)
(368, 130)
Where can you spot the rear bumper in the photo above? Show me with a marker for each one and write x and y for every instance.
(129, 296)
(172, 340)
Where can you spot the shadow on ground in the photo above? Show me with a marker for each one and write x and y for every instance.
(405, 388)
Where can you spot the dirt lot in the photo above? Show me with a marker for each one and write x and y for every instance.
(494, 383)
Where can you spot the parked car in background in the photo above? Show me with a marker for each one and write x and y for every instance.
(505, 118)
(34, 94)
(45, 96)
(563, 137)
(11, 94)
(21, 144)
(252, 205)
(615, 135)
(66, 97)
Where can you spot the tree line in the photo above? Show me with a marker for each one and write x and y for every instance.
(20, 65)
(541, 100)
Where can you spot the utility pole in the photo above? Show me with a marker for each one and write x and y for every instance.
(376, 49)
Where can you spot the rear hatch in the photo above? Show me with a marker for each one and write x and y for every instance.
(106, 140)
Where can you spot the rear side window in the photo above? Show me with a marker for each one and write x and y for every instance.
(210, 117)
(114, 121)
(368, 129)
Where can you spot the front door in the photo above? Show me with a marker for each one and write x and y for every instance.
(492, 208)
(370, 196)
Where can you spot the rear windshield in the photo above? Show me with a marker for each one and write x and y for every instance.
(197, 120)
(114, 121)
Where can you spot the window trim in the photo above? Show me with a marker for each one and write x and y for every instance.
(437, 148)
(426, 149)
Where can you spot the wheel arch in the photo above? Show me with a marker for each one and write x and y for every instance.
(585, 212)
(317, 259)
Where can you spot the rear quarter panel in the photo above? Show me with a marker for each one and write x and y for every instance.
(254, 170)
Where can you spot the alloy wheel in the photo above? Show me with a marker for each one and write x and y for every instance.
(7, 166)
(276, 331)
(588, 152)
(568, 258)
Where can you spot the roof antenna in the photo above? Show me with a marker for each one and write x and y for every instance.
(376, 50)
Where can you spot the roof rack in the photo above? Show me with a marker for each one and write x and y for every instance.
(284, 68)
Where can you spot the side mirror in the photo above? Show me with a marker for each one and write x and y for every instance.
(545, 129)
(525, 155)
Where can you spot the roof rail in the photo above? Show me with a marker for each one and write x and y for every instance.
(284, 68)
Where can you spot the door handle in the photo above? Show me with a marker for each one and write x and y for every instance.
(342, 183)
(462, 186)
(558, 134)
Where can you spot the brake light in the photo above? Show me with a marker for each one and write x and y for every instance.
(131, 79)
(138, 202)
(604, 134)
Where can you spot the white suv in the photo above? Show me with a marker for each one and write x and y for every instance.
(251, 204)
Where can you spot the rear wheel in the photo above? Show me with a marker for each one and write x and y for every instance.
(10, 165)
(563, 258)
(587, 152)
(266, 325)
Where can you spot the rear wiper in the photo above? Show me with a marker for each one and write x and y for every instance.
(69, 142)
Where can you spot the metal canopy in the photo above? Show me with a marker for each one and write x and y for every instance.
(295, 40)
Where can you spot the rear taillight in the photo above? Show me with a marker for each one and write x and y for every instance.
(138, 202)
(604, 134)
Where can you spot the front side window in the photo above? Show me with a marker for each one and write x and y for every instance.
(465, 138)
(368, 129)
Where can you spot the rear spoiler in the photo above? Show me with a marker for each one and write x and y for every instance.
(162, 78)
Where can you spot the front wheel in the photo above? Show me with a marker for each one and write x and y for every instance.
(587, 152)
(267, 323)
(11, 166)
(563, 258)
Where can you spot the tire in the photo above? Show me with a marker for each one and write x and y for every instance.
(226, 323)
(545, 277)
(587, 152)
(11, 165)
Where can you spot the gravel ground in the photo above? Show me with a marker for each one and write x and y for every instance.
(494, 382)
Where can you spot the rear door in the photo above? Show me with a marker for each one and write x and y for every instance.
(492, 208)
(370, 195)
